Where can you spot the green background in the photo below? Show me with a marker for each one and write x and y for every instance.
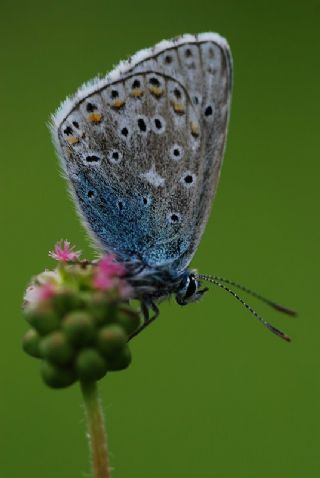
(210, 392)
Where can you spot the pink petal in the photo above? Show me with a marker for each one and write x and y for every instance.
(109, 266)
(63, 252)
(103, 282)
(107, 273)
(37, 293)
(46, 291)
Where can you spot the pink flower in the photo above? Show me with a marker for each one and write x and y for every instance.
(46, 291)
(102, 282)
(38, 293)
(108, 274)
(110, 267)
(63, 252)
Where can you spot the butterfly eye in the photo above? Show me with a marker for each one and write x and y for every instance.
(189, 291)
(192, 287)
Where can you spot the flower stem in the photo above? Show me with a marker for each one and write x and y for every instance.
(96, 430)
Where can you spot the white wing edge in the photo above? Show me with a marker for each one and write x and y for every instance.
(89, 87)
(123, 67)
(114, 75)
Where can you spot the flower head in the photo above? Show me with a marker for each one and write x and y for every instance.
(42, 288)
(38, 293)
(63, 252)
(108, 274)
(80, 325)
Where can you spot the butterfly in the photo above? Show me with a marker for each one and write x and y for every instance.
(142, 150)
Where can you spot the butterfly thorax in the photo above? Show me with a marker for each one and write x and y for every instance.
(153, 284)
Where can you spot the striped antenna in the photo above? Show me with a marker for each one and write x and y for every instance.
(274, 330)
(274, 305)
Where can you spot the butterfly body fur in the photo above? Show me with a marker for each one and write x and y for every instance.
(142, 151)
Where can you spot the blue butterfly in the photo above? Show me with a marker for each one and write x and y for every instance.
(142, 150)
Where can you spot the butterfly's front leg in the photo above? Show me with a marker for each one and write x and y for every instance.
(145, 310)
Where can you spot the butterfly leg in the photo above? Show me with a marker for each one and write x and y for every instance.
(147, 320)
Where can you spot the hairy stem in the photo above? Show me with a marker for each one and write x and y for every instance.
(96, 430)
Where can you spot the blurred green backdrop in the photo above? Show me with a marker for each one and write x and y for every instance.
(210, 393)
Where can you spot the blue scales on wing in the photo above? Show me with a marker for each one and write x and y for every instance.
(142, 149)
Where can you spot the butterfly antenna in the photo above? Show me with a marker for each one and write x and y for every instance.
(274, 305)
(270, 327)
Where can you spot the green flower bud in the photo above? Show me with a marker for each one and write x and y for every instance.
(56, 348)
(44, 320)
(30, 343)
(121, 360)
(128, 319)
(90, 365)
(77, 275)
(65, 302)
(111, 339)
(102, 311)
(79, 328)
(57, 377)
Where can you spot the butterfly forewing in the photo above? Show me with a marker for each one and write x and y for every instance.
(143, 148)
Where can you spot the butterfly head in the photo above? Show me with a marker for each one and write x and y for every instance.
(189, 289)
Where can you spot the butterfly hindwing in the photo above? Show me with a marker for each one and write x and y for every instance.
(143, 148)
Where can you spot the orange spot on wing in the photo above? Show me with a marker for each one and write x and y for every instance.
(156, 90)
(94, 117)
(117, 103)
(73, 140)
(178, 108)
(136, 92)
(195, 131)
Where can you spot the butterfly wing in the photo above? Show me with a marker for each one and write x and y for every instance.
(142, 148)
